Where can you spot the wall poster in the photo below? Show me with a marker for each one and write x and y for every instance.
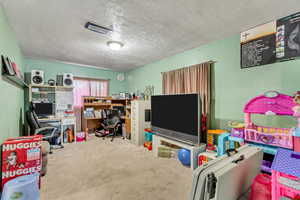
(271, 42)
(288, 37)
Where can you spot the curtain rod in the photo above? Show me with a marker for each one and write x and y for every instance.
(210, 61)
(91, 78)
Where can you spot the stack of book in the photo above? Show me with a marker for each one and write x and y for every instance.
(98, 113)
(89, 113)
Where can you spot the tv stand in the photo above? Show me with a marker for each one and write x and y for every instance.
(194, 149)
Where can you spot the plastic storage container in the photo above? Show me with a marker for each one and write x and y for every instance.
(22, 188)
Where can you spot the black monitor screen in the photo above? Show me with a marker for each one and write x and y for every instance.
(44, 109)
(176, 112)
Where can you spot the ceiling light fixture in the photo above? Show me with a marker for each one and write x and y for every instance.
(115, 45)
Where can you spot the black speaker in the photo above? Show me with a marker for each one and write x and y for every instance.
(59, 80)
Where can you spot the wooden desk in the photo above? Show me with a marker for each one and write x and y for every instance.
(90, 124)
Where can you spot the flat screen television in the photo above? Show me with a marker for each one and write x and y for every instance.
(177, 117)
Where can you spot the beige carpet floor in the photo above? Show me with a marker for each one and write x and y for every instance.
(103, 170)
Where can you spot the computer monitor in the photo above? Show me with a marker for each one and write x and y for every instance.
(44, 109)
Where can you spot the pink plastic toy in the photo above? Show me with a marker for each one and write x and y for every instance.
(296, 110)
(80, 137)
(286, 175)
(261, 188)
(271, 103)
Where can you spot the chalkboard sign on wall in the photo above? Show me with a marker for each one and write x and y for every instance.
(271, 42)
(258, 45)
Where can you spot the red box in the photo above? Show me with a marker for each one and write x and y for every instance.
(21, 156)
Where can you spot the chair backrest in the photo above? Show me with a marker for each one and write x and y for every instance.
(32, 119)
(113, 118)
(116, 114)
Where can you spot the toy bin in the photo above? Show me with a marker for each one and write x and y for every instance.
(80, 137)
(148, 139)
(297, 140)
(148, 135)
(212, 136)
(206, 157)
(286, 175)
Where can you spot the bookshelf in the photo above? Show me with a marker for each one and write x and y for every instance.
(93, 106)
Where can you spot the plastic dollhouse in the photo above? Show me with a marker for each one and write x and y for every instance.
(271, 103)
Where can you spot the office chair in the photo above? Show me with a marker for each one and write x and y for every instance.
(111, 125)
(48, 132)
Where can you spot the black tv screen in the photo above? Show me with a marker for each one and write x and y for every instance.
(176, 116)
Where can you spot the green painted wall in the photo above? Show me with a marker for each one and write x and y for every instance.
(232, 86)
(12, 97)
(51, 69)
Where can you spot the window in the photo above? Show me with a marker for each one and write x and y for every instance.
(88, 87)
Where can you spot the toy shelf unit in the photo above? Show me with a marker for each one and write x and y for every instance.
(271, 103)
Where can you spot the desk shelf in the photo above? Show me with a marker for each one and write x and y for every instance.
(92, 118)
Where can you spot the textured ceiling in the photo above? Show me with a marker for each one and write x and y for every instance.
(150, 29)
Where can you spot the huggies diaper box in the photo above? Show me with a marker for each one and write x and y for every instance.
(21, 156)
